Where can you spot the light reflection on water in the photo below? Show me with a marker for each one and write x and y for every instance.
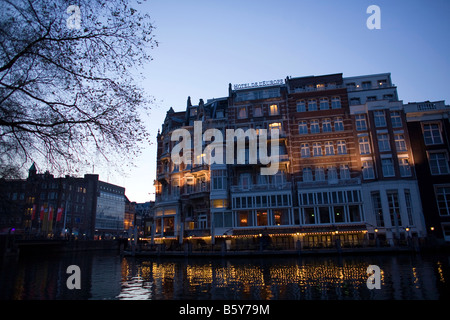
(108, 276)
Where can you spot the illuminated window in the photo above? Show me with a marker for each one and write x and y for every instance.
(400, 143)
(220, 203)
(275, 125)
(274, 109)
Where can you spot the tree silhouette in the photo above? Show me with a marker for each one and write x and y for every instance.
(68, 81)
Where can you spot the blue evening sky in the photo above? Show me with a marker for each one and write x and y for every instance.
(205, 45)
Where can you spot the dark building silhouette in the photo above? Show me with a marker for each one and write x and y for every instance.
(48, 206)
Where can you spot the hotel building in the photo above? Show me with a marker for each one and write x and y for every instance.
(345, 176)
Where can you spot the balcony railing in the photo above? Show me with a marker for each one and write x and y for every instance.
(262, 187)
(326, 183)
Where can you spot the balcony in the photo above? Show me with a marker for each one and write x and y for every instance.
(327, 183)
(259, 187)
(371, 87)
(315, 88)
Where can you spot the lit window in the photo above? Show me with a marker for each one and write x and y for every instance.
(400, 143)
(320, 86)
(432, 133)
(275, 125)
(273, 109)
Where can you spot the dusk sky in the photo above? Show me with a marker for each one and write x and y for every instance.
(205, 45)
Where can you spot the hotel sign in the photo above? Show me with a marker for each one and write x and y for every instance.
(259, 84)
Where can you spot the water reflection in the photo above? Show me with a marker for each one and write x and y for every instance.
(108, 276)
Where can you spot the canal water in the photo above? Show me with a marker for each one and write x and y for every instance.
(107, 276)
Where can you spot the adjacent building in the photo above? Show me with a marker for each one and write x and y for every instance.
(47, 206)
(429, 131)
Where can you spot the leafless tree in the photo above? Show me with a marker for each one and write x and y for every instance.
(68, 81)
